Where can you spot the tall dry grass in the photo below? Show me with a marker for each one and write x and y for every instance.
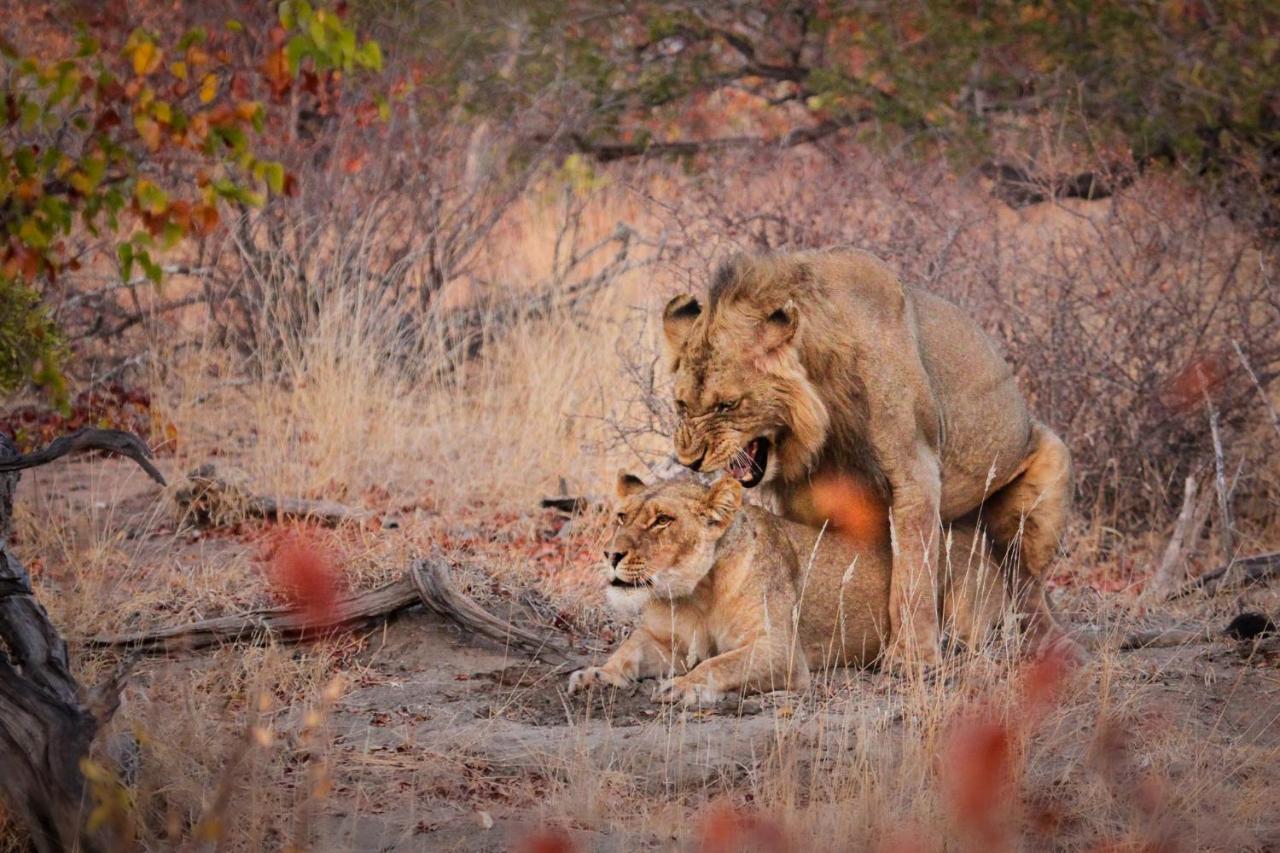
(370, 398)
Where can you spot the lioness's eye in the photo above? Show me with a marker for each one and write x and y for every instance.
(728, 405)
(661, 520)
(682, 408)
(621, 518)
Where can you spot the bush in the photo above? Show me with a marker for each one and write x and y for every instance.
(1110, 312)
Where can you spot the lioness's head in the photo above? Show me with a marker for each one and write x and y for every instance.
(743, 397)
(665, 536)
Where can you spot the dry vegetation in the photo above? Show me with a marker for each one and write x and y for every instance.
(446, 353)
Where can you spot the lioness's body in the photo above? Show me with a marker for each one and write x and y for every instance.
(836, 369)
(717, 587)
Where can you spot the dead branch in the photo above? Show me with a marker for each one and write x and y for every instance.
(1165, 638)
(213, 498)
(431, 579)
(1018, 187)
(568, 504)
(1247, 570)
(607, 152)
(1172, 569)
(427, 582)
(282, 624)
(107, 440)
(1227, 533)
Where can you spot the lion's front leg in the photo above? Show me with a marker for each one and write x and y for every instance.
(763, 666)
(916, 528)
(641, 655)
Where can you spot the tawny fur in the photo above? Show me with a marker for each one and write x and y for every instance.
(851, 373)
(720, 583)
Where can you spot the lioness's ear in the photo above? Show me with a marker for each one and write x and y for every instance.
(724, 498)
(678, 317)
(779, 327)
(629, 484)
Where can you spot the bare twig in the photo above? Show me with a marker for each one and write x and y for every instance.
(1262, 391)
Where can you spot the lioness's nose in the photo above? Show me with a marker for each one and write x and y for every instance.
(614, 557)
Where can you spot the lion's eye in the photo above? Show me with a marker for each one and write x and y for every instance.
(682, 408)
(728, 405)
(661, 520)
(621, 518)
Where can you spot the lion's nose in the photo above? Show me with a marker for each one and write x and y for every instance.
(614, 557)
(695, 464)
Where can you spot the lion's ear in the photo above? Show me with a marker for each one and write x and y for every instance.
(779, 326)
(724, 498)
(628, 484)
(678, 317)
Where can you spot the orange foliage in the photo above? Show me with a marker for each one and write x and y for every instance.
(305, 575)
(853, 508)
(1203, 377)
(729, 830)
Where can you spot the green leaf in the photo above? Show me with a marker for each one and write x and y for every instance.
(234, 26)
(370, 55)
(25, 159)
(295, 51)
(274, 174)
(195, 35)
(32, 232)
(287, 16)
(125, 253)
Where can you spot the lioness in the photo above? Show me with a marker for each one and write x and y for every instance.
(822, 364)
(717, 584)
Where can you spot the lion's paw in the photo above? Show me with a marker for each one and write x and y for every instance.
(685, 692)
(592, 676)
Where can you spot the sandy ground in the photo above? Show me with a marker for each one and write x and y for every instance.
(443, 741)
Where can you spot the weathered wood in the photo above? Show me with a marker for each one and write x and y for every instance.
(279, 623)
(46, 726)
(1164, 638)
(1246, 570)
(1173, 564)
(107, 440)
(427, 582)
(214, 498)
(1226, 532)
(431, 579)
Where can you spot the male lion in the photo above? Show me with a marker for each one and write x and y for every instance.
(718, 585)
(822, 364)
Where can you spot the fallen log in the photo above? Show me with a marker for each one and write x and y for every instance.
(214, 498)
(279, 623)
(1243, 571)
(426, 582)
(434, 586)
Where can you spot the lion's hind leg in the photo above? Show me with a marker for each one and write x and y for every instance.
(1027, 518)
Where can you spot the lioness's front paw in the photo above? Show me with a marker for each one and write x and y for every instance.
(905, 658)
(585, 679)
(685, 692)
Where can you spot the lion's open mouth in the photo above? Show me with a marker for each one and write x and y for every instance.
(748, 465)
(626, 584)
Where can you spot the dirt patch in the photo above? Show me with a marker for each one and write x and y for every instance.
(535, 695)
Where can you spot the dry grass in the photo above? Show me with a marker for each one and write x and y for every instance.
(237, 750)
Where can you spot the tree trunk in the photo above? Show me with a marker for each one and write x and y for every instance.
(45, 727)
